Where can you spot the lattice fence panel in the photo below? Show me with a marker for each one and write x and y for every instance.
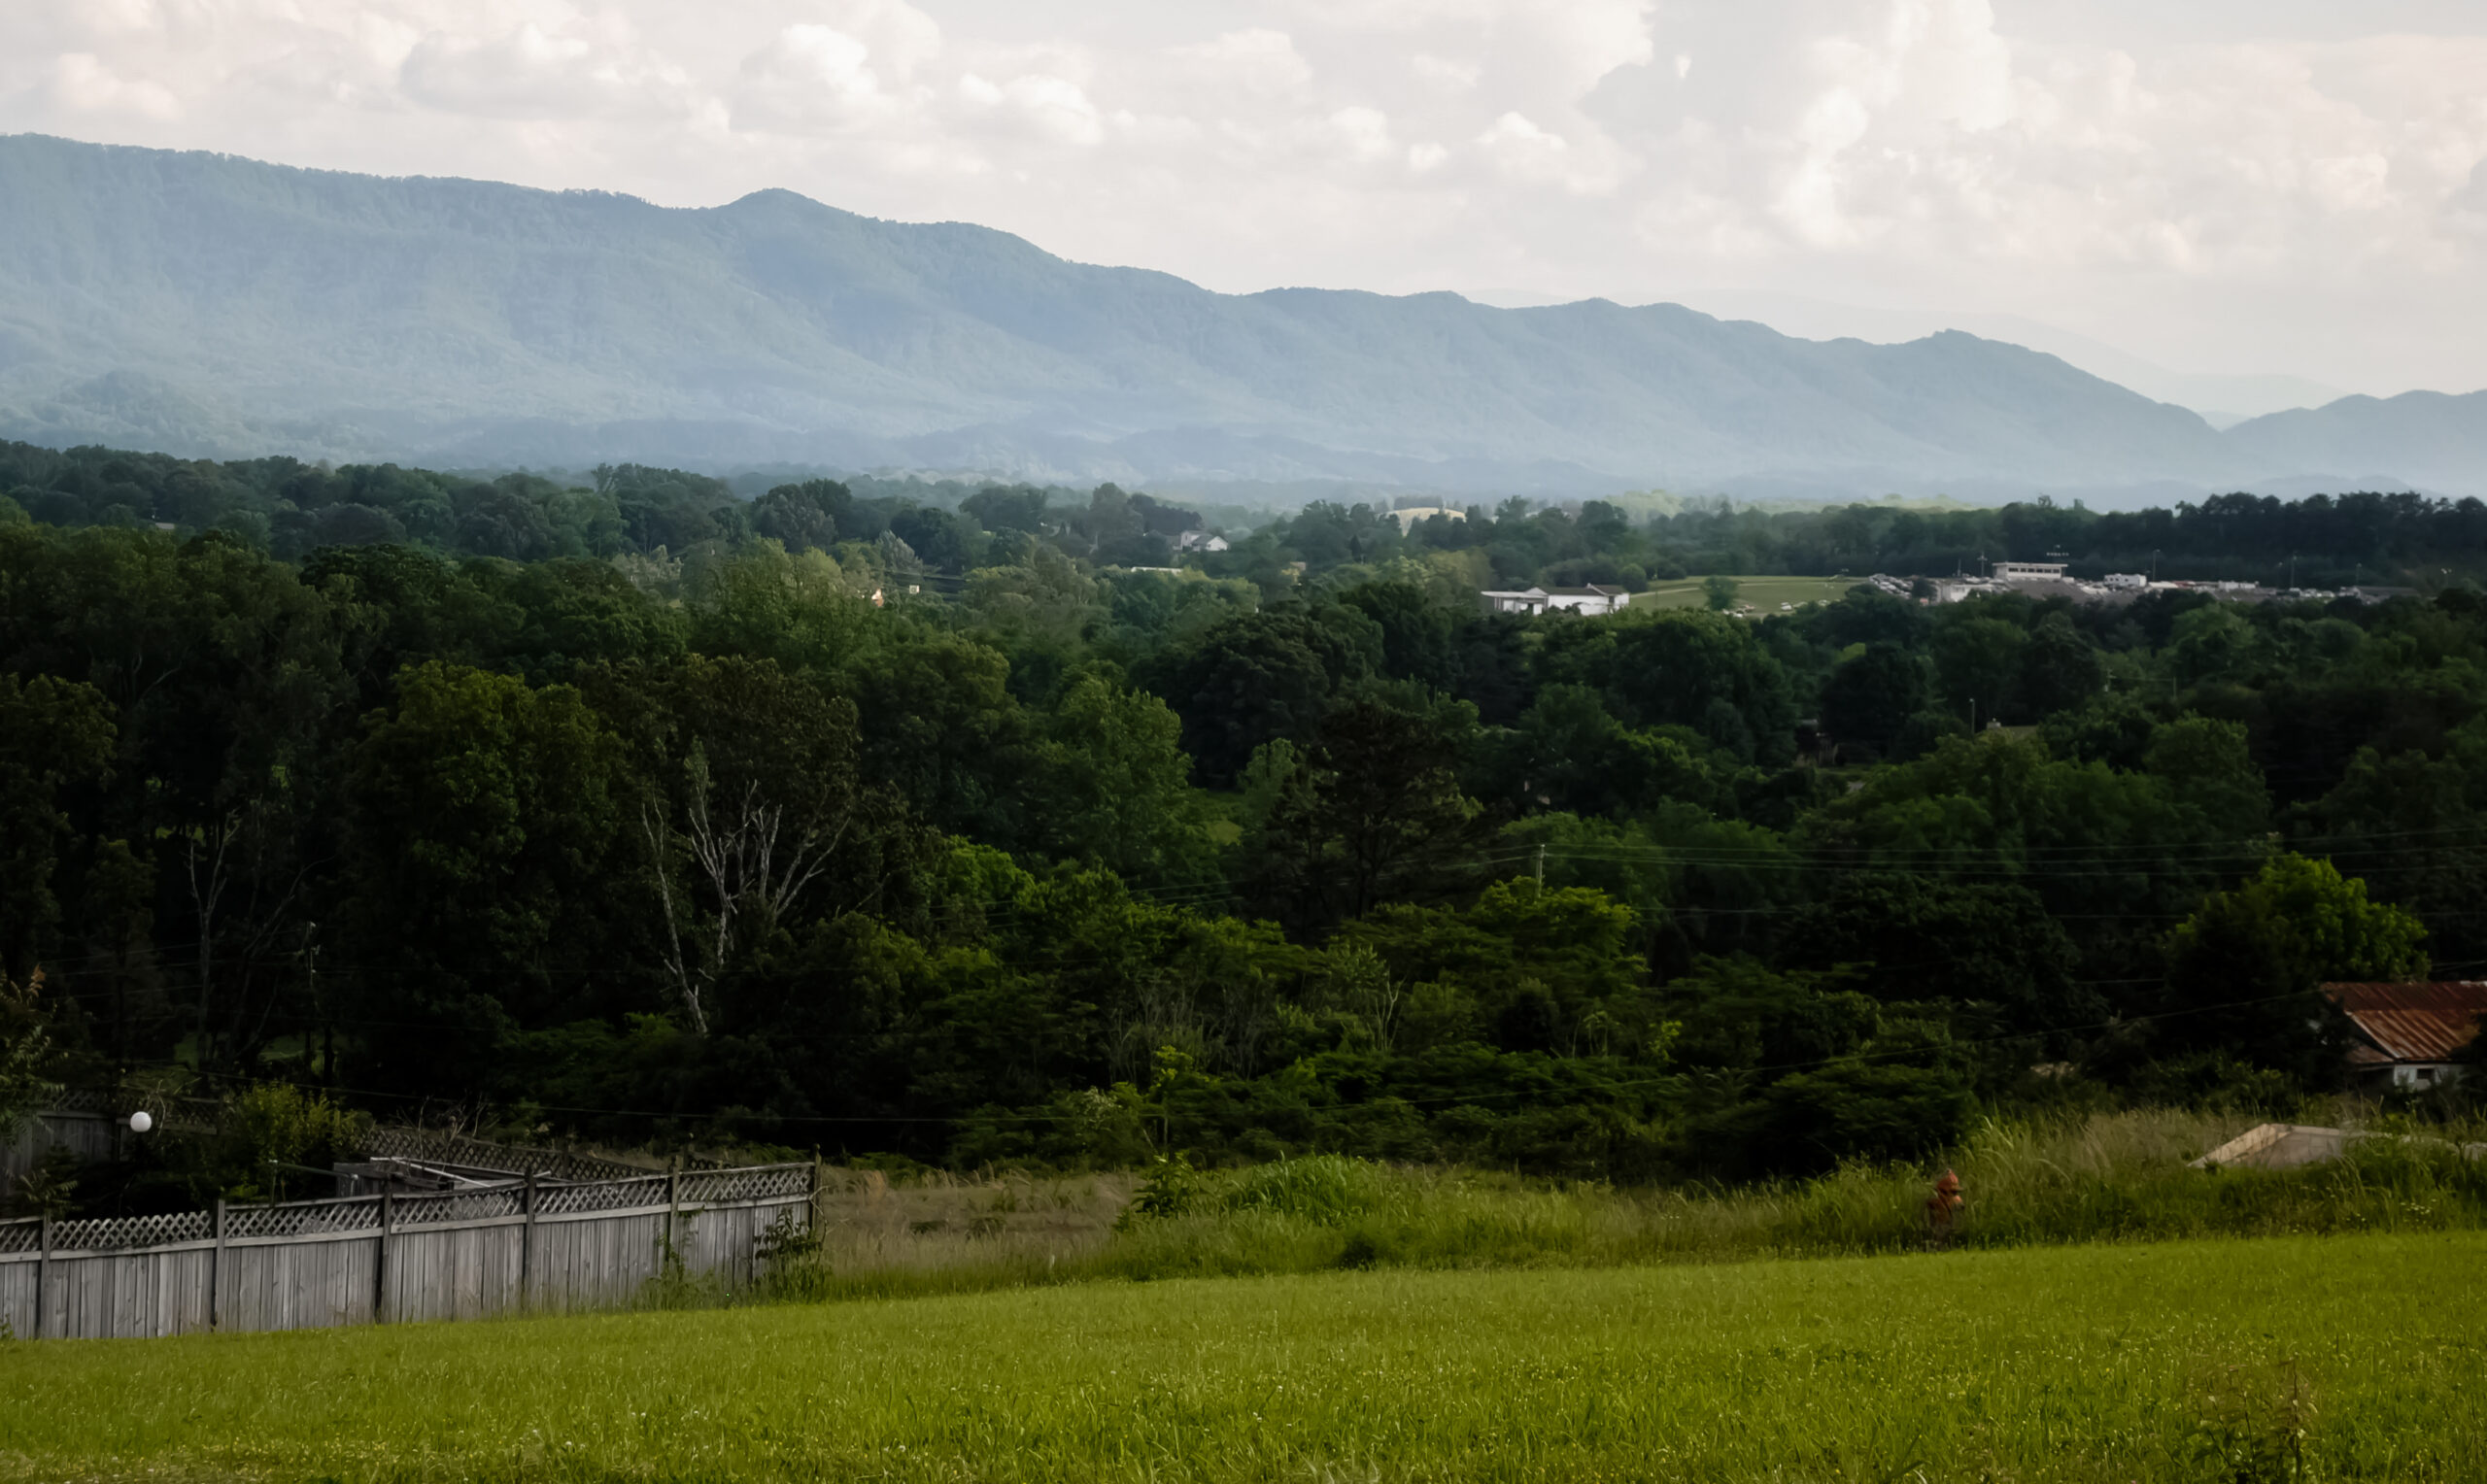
(113, 1233)
(706, 1187)
(459, 1205)
(304, 1218)
(22, 1235)
(443, 1148)
(607, 1195)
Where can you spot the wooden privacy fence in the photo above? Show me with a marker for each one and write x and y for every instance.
(526, 1246)
(90, 1126)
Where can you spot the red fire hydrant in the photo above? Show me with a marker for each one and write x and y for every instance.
(1943, 1210)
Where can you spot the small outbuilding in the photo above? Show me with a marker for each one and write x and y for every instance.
(1591, 599)
(2409, 1036)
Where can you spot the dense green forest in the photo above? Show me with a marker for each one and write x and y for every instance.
(942, 832)
(948, 527)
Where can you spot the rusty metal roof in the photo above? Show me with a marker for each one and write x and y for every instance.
(2414, 1022)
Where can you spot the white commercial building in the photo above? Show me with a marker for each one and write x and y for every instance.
(1591, 600)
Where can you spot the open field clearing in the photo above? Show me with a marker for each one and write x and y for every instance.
(2106, 1177)
(2290, 1358)
(1763, 594)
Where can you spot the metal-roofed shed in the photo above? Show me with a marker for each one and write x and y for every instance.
(2410, 1035)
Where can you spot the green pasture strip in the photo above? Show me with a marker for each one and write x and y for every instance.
(2330, 1358)
(1763, 594)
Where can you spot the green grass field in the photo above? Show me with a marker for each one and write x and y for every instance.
(2330, 1358)
(1762, 594)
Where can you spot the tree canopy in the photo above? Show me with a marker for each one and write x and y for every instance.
(949, 829)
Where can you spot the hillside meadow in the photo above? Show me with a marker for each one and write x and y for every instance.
(1763, 594)
(2282, 1359)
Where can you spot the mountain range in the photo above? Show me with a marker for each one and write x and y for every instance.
(212, 305)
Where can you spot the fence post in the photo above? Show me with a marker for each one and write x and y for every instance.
(526, 1245)
(380, 1264)
(216, 1272)
(43, 1277)
(672, 1212)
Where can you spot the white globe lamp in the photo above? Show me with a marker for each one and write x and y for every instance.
(141, 1121)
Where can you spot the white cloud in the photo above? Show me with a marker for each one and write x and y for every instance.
(1037, 104)
(530, 71)
(81, 84)
(2222, 196)
(857, 74)
(1361, 135)
(1260, 63)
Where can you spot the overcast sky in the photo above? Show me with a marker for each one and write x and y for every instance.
(2219, 186)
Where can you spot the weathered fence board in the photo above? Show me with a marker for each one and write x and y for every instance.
(308, 1265)
(88, 1135)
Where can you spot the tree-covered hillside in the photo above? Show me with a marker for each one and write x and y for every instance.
(211, 304)
(642, 810)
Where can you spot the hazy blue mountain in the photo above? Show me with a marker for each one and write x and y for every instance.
(2425, 438)
(205, 303)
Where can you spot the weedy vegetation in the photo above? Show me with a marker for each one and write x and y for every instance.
(2117, 1177)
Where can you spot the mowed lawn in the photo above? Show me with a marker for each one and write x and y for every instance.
(2356, 1358)
(1762, 594)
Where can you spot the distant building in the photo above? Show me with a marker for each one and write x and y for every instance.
(1199, 541)
(2029, 571)
(1417, 514)
(2126, 582)
(1591, 600)
(2407, 1035)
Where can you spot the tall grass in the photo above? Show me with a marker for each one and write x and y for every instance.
(2297, 1359)
(2109, 1177)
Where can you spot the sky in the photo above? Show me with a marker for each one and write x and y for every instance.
(2273, 187)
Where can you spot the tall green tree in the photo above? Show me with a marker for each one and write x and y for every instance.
(2245, 972)
(481, 816)
(55, 735)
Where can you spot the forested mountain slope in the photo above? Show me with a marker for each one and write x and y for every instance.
(208, 304)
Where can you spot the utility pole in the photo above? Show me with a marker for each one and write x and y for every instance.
(1541, 865)
(328, 1027)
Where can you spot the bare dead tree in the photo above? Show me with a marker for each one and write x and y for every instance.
(208, 851)
(230, 856)
(752, 865)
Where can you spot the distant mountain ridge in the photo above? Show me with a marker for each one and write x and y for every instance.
(214, 305)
